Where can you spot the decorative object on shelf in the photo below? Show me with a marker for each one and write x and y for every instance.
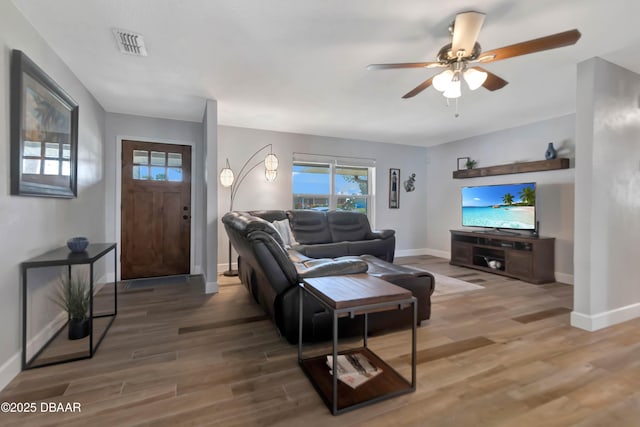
(74, 297)
(394, 193)
(44, 133)
(493, 263)
(470, 164)
(77, 244)
(462, 163)
(229, 179)
(410, 184)
(551, 152)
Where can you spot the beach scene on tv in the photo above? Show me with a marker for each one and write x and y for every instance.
(500, 206)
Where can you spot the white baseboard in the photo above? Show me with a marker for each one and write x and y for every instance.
(608, 318)
(10, 369)
(438, 253)
(410, 252)
(564, 278)
(422, 251)
(225, 266)
(211, 287)
(41, 338)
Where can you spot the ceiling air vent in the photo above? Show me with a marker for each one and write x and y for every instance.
(130, 43)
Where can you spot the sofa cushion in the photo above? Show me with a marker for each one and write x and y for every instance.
(244, 224)
(324, 250)
(330, 267)
(270, 215)
(309, 227)
(284, 229)
(376, 247)
(348, 226)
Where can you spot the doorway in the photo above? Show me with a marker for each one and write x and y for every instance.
(155, 209)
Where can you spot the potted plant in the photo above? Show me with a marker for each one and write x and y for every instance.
(470, 164)
(73, 296)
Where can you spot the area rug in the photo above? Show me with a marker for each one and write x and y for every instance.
(446, 285)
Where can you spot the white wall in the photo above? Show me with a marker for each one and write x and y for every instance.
(30, 226)
(607, 195)
(124, 126)
(554, 193)
(238, 144)
(210, 195)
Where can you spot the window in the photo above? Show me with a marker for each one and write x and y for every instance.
(157, 166)
(330, 184)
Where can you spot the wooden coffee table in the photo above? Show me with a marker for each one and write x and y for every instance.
(350, 296)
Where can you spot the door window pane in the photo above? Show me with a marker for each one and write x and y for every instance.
(32, 148)
(140, 157)
(175, 159)
(66, 168)
(66, 151)
(158, 158)
(141, 172)
(174, 174)
(158, 173)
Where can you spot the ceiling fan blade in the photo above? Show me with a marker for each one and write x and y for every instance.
(465, 31)
(405, 65)
(422, 86)
(493, 82)
(566, 38)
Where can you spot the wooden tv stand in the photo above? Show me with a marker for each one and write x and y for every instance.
(526, 258)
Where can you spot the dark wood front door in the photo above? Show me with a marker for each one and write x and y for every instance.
(156, 209)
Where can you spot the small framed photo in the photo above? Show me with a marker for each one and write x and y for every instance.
(462, 163)
(394, 188)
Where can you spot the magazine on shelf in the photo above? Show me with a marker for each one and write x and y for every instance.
(354, 369)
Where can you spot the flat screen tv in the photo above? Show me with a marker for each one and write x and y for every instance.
(503, 206)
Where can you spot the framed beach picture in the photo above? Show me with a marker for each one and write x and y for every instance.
(394, 188)
(44, 133)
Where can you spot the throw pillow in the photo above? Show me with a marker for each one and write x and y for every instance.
(284, 228)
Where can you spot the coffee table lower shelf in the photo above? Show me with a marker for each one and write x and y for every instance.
(385, 385)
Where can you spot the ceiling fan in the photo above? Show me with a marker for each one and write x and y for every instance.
(460, 56)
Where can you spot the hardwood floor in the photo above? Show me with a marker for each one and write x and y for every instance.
(504, 355)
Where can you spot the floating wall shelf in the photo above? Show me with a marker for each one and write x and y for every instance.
(523, 167)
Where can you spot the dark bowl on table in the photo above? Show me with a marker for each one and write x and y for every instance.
(78, 244)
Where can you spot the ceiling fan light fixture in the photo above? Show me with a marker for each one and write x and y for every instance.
(474, 78)
(454, 90)
(442, 81)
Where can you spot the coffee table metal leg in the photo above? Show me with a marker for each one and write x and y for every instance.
(335, 363)
(413, 344)
(366, 330)
(300, 292)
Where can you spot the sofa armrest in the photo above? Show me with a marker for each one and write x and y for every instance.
(381, 234)
(330, 267)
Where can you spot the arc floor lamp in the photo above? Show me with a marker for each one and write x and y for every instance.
(229, 179)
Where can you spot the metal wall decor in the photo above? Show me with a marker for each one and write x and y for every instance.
(394, 188)
(410, 184)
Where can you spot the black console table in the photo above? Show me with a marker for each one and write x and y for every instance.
(64, 257)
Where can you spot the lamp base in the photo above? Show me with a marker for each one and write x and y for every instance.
(230, 273)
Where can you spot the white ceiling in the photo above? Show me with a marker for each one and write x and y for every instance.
(299, 65)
